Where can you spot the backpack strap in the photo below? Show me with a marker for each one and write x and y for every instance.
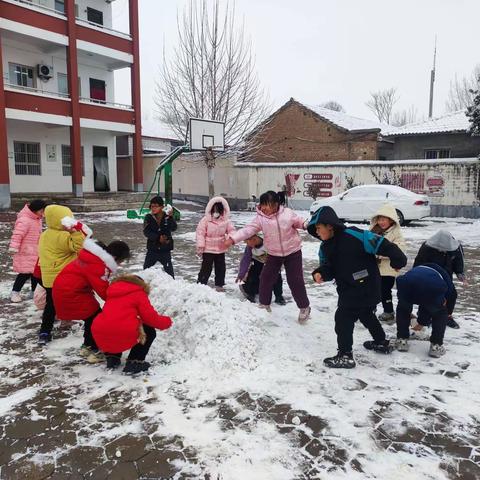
(371, 241)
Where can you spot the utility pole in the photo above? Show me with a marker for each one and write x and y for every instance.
(432, 80)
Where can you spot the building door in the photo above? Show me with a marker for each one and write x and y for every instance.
(101, 180)
(97, 90)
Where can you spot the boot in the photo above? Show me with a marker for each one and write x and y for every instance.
(265, 307)
(85, 351)
(450, 323)
(340, 360)
(112, 362)
(133, 367)
(44, 338)
(436, 351)
(402, 345)
(383, 347)
(280, 300)
(304, 315)
(96, 357)
(15, 297)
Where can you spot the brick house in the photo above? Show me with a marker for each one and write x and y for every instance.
(300, 133)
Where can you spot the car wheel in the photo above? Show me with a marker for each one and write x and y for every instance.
(401, 218)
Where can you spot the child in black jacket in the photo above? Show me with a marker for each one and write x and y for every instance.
(348, 256)
(446, 252)
(158, 228)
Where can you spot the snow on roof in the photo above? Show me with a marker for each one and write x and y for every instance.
(155, 128)
(453, 122)
(347, 122)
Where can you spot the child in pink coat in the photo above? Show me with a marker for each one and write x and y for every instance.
(282, 241)
(24, 245)
(211, 234)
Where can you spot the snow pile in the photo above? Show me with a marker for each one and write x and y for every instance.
(219, 332)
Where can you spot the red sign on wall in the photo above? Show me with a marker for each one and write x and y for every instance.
(318, 176)
(321, 194)
(320, 184)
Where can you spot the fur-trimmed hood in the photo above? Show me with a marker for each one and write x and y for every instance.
(386, 210)
(211, 203)
(134, 282)
(95, 249)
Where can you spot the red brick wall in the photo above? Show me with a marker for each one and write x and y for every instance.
(295, 134)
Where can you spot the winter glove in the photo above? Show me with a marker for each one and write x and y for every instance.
(71, 224)
(199, 251)
(12, 250)
(462, 277)
(163, 240)
(168, 210)
(142, 336)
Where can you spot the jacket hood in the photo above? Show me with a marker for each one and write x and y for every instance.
(54, 215)
(26, 212)
(125, 284)
(95, 249)
(326, 216)
(444, 241)
(386, 210)
(212, 202)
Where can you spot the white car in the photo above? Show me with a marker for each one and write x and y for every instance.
(359, 204)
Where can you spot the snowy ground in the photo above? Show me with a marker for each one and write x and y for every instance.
(236, 393)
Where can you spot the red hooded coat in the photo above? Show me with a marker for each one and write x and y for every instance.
(127, 307)
(74, 287)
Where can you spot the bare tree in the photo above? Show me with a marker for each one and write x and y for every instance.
(382, 102)
(333, 105)
(211, 74)
(460, 95)
(314, 190)
(405, 117)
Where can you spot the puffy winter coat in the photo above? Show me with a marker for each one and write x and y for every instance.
(127, 307)
(444, 250)
(349, 258)
(25, 236)
(57, 247)
(212, 232)
(392, 234)
(74, 287)
(280, 235)
(153, 229)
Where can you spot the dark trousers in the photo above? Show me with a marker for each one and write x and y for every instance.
(437, 315)
(88, 339)
(423, 315)
(21, 279)
(165, 258)
(387, 285)
(208, 261)
(48, 316)
(345, 319)
(252, 284)
(139, 351)
(293, 270)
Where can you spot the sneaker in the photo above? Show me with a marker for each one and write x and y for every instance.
(219, 289)
(340, 360)
(265, 307)
(384, 347)
(248, 296)
(85, 351)
(96, 357)
(30, 295)
(112, 362)
(450, 322)
(388, 318)
(304, 315)
(136, 366)
(280, 301)
(436, 351)
(15, 297)
(402, 345)
(44, 338)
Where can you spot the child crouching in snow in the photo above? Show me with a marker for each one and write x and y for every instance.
(75, 287)
(251, 266)
(284, 246)
(128, 321)
(59, 245)
(211, 233)
(386, 224)
(347, 255)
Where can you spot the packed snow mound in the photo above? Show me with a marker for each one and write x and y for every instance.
(219, 332)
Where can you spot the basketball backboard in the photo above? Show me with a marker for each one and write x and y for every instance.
(206, 134)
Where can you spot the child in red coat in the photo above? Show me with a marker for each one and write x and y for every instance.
(128, 321)
(75, 287)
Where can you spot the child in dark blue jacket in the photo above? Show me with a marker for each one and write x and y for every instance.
(431, 288)
(348, 256)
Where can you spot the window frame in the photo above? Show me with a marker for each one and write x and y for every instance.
(11, 69)
(94, 11)
(25, 166)
(67, 160)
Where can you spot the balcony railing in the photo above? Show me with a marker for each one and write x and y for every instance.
(93, 101)
(36, 91)
(38, 5)
(100, 27)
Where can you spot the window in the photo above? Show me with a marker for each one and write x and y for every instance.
(27, 158)
(67, 161)
(97, 90)
(63, 84)
(60, 6)
(94, 16)
(21, 75)
(440, 153)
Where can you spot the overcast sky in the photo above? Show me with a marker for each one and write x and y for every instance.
(317, 50)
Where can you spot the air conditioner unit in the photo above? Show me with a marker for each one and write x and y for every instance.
(44, 71)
